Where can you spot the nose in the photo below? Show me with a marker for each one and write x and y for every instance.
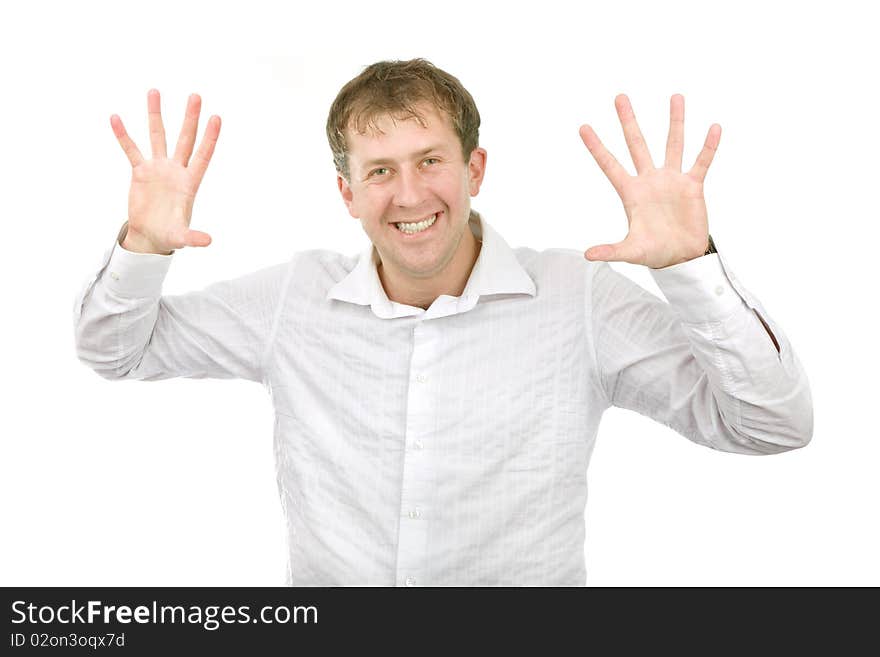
(410, 188)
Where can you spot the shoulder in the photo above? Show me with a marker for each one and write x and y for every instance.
(325, 260)
(555, 262)
(313, 272)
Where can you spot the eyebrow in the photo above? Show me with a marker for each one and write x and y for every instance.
(384, 160)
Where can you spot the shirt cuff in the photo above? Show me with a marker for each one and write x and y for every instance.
(130, 274)
(698, 289)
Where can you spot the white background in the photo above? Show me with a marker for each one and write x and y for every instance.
(172, 483)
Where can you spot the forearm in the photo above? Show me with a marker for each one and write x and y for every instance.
(759, 387)
(125, 328)
(116, 312)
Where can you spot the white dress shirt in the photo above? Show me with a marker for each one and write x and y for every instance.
(450, 446)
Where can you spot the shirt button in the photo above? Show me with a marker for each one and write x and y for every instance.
(410, 581)
(719, 290)
(415, 513)
(114, 275)
(421, 378)
(418, 444)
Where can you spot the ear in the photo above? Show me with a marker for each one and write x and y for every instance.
(476, 170)
(347, 195)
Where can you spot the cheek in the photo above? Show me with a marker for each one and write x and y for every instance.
(371, 203)
(451, 187)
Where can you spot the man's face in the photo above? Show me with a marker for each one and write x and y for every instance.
(408, 173)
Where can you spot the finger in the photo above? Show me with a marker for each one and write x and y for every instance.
(675, 141)
(704, 159)
(624, 251)
(187, 139)
(606, 161)
(128, 146)
(197, 238)
(203, 156)
(638, 149)
(157, 130)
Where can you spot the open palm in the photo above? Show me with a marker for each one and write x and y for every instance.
(163, 189)
(665, 208)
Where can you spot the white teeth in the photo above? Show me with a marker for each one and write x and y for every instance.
(417, 227)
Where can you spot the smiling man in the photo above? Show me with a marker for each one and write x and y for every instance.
(411, 191)
(438, 396)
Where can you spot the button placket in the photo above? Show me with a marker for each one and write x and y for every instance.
(416, 484)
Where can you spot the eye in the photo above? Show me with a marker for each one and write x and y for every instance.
(374, 172)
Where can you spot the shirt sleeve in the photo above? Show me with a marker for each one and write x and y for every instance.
(703, 364)
(125, 329)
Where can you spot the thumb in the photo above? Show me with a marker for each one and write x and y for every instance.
(619, 252)
(197, 238)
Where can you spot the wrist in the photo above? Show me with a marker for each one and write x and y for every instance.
(710, 248)
(135, 242)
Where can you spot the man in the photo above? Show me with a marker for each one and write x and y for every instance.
(437, 397)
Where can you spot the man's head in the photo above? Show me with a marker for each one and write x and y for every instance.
(396, 89)
(404, 137)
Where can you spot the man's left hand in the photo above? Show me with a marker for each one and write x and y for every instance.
(665, 208)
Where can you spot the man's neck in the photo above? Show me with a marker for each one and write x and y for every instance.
(421, 293)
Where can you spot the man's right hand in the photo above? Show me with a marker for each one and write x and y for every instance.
(163, 189)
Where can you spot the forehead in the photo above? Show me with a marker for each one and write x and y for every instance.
(389, 139)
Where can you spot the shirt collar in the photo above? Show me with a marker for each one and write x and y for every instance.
(496, 271)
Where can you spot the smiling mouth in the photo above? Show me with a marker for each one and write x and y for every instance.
(419, 226)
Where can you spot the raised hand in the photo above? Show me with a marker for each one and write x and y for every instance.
(665, 208)
(163, 189)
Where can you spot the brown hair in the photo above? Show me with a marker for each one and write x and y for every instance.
(394, 88)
